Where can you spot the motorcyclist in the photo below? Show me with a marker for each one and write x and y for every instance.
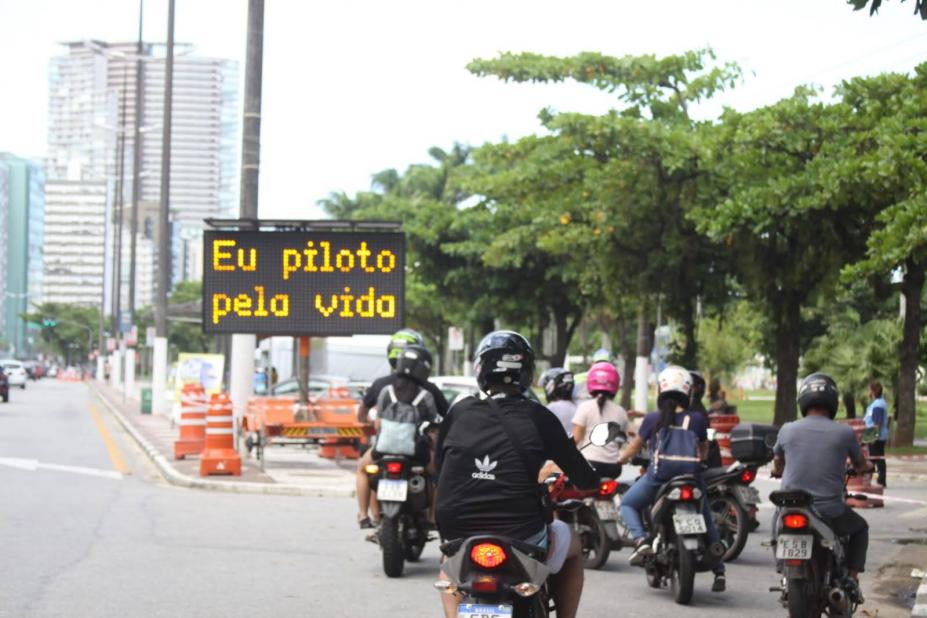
(580, 392)
(558, 384)
(713, 460)
(675, 390)
(366, 500)
(603, 382)
(501, 495)
(811, 455)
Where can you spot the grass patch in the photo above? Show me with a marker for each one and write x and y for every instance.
(906, 450)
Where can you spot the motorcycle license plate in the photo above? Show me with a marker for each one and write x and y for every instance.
(794, 546)
(689, 523)
(606, 510)
(392, 490)
(483, 611)
(749, 495)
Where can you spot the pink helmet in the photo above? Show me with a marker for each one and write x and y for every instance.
(603, 377)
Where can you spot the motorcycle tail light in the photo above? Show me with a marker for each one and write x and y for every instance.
(485, 584)
(793, 563)
(608, 488)
(394, 467)
(372, 469)
(488, 555)
(686, 493)
(748, 476)
(795, 521)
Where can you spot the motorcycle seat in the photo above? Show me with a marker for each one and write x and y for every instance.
(450, 548)
(713, 474)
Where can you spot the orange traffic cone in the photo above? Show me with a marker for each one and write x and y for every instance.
(192, 421)
(219, 456)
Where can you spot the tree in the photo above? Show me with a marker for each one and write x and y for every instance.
(788, 216)
(66, 327)
(894, 170)
(920, 7)
(623, 181)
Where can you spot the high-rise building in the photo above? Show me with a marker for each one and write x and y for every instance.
(75, 225)
(4, 208)
(24, 221)
(92, 98)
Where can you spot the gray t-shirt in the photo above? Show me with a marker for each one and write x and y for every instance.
(564, 410)
(816, 450)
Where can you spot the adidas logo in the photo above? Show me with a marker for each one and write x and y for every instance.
(485, 467)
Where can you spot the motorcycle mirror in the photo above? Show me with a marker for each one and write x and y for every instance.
(869, 435)
(603, 433)
(770, 439)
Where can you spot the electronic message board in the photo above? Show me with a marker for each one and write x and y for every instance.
(303, 283)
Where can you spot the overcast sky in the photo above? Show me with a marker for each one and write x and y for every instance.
(354, 87)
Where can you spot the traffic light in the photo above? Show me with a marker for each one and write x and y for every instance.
(49, 322)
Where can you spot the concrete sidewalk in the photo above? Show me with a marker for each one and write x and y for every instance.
(289, 470)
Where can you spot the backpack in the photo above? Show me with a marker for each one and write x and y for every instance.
(399, 423)
(676, 452)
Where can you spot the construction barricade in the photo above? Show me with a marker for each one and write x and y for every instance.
(219, 456)
(722, 424)
(193, 408)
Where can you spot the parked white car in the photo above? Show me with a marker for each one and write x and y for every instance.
(15, 372)
(456, 388)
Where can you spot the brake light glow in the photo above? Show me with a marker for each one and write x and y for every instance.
(485, 584)
(608, 488)
(793, 563)
(795, 521)
(488, 555)
(686, 493)
(394, 467)
(748, 476)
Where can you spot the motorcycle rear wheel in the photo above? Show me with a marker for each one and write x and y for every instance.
(391, 546)
(682, 579)
(412, 549)
(731, 521)
(596, 547)
(801, 598)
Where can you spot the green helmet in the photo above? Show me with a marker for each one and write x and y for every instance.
(399, 340)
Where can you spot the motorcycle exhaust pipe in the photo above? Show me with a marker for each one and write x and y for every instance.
(837, 598)
(715, 553)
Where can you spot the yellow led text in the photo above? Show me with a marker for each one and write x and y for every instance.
(246, 259)
(320, 259)
(246, 306)
(367, 305)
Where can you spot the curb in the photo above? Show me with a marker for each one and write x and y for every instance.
(920, 601)
(174, 477)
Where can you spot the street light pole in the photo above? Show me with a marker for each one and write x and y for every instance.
(159, 369)
(137, 156)
(116, 372)
(241, 376)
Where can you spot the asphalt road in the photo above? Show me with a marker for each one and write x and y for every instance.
(88, 528)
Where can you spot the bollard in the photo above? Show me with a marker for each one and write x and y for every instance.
(722, 424)
(192, 421)
(219, 456)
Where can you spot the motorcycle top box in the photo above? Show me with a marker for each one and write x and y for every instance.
(752, 442)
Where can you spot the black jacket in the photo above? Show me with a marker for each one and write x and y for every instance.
(483, 485)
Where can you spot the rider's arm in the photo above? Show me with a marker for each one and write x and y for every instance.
(703, 450)
(778, 466)
(856, 453)
(579, 433)
(362, 412)
(779, 451)
(563, 451)
(633, 448)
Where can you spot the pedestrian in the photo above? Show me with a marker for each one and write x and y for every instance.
(877, 416)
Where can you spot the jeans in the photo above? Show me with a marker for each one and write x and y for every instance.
(877, 450)
(642, 495)
(852, 524)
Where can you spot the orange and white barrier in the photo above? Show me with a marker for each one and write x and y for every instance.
(220, 456)
(862, 484)
(723, 424)
(193, 408)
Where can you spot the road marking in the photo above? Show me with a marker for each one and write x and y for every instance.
(33, 464)
(873, 496)
(119, 464)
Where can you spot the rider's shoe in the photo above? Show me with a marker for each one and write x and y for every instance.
(641, 550)
(719, 584)
(365, 523)
(854, 592)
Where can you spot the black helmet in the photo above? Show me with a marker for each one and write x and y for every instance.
(557, 384)
(818, 391)
(415, 362)
(503, 357)
(399, 340)
(698, 385)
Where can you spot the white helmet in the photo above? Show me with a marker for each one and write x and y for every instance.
(675, 382)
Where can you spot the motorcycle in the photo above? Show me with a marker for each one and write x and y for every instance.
(733, 504)
(592, 514)
(404, 492)
(503, 577)
(680, 545)
(813, 559)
